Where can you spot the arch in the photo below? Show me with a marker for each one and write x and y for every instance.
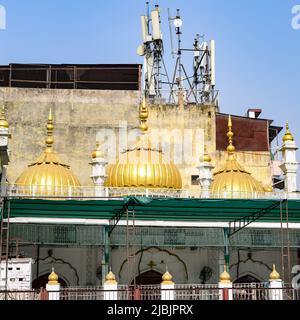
(247, 278)
(41, 282)
(149, 277)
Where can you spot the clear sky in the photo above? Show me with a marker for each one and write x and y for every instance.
(258, 51)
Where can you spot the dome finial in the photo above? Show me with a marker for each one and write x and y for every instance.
(3, 121)
(97, 153)
(49, 140)
(110, 278)
(274, 275)
(288, 136)
(206, 156)
(53, 278)
(143, 115)
(167, 277)
(230, 134)
(225, 276)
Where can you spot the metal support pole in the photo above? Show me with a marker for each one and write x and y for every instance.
(226, 247)
(106, 256)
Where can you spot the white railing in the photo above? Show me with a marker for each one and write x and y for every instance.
(89, 193)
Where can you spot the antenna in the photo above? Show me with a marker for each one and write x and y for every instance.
(156, 32)
(199, 86)
(171, 35)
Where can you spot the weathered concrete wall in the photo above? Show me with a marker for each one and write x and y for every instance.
(80, 115)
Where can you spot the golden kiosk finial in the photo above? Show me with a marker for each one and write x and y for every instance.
(274, 275)
(230, 134)
(143, 115)
(49, 140)
(53, 278)
(206, 156)
(288, 136)
(225, 276)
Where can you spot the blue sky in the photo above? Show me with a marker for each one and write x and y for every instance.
(258, 52)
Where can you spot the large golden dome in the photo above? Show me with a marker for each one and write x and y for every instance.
(48, 176)
(143, 166)
(233, 181)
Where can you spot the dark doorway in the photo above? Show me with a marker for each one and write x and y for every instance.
(247, 279)
(148, 277)
(41, 282)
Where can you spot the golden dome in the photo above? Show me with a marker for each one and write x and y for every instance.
(3, 121)
(97, 153)
(48, 176)
(225, 276)
(53, 278)
(233, 180)
(110, 278)
(167, 278)
(143, 165)
(274, 275)
(288, 136)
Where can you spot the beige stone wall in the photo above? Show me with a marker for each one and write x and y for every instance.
(79, 116)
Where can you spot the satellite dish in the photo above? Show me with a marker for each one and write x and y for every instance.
(141, 50)
(177, 22)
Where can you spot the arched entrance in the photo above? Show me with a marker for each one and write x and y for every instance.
(247, 279)
(148, 277)
(41, 282)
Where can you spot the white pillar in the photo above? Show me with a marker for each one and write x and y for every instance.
(53, 286)
(205, 175)
(98, 172)
(110, 287)
(275, 285)
(290, 164)
(225, 286)
(167, 287)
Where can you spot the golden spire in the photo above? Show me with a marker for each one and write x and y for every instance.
(206, 156)
(288, 136)
(53, 277)
(3, 121)
(274, 275)
(230, 134)
(167, 278)
(143, 115)
(97, 153)
(49, 141)
(110, 278)
(225, 276)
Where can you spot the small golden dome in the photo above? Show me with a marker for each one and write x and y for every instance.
(48, 176)
(3, 122)
(53, 278)
(233, 181)
(110, 278)
(274, 275)
(225, 276)
(167, 278)
(97, 153)
(288, 136)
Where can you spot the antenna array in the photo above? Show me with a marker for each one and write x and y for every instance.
(198, 86)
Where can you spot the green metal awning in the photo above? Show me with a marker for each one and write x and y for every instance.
(163, 209)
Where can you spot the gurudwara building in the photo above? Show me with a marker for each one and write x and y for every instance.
(71, 202)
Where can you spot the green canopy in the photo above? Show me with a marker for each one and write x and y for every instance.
(163, 209)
